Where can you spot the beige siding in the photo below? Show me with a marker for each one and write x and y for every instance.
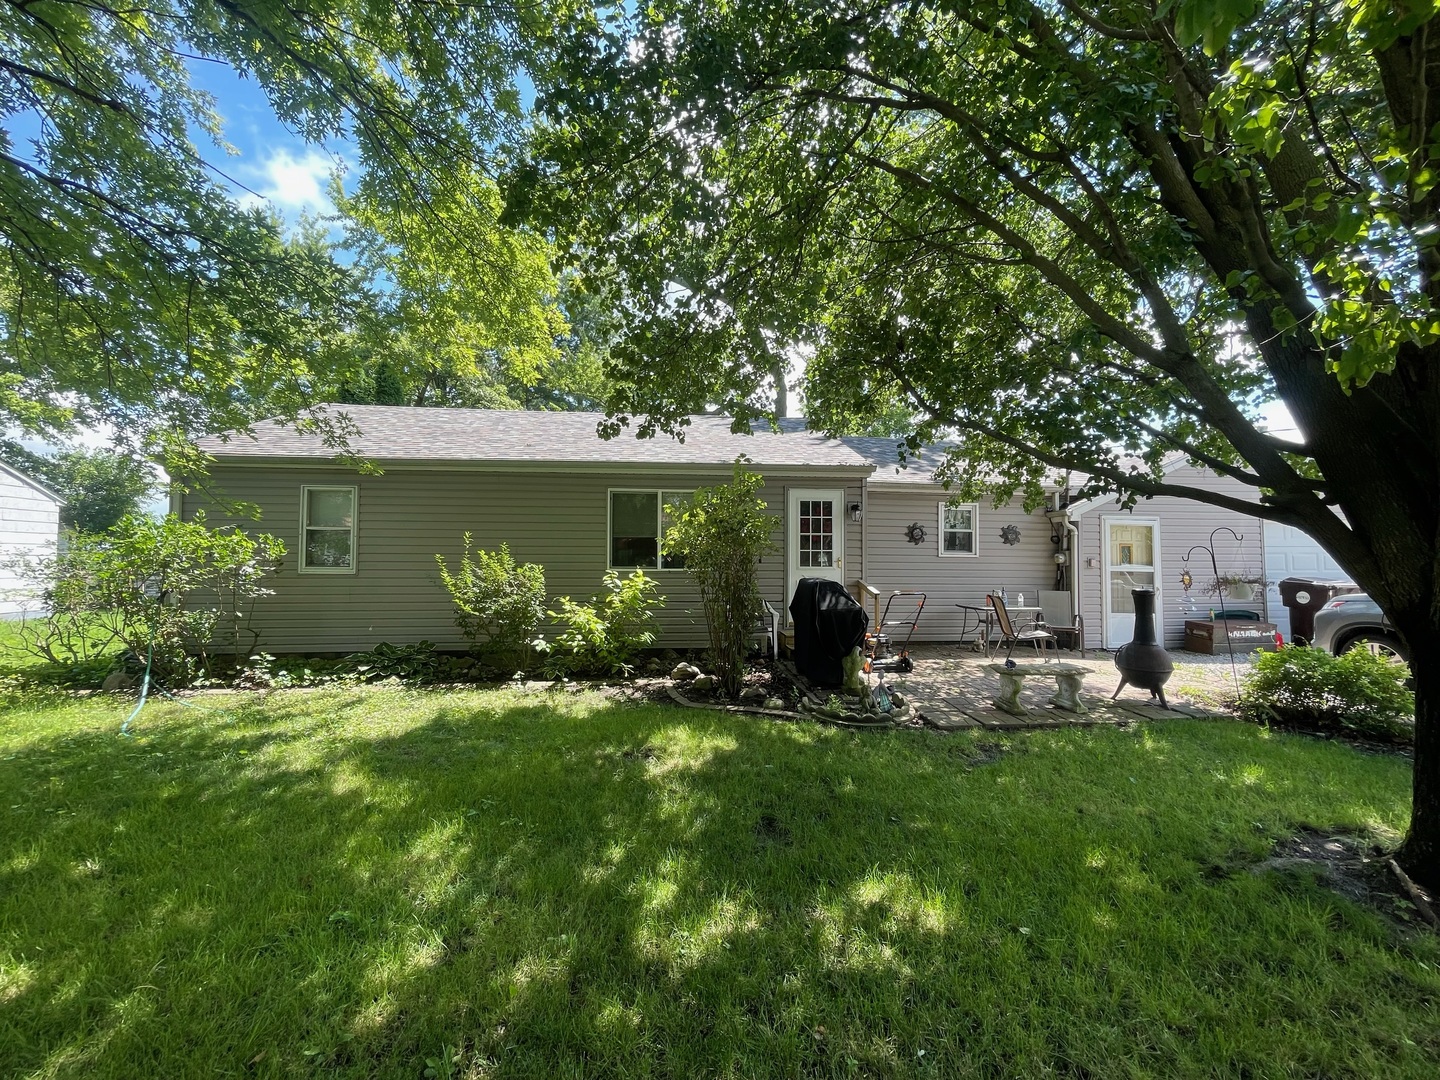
(406, 516)
(892, 562)
(29, 527)
(1183, 524)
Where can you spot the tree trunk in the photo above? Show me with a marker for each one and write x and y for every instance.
(1420, 854)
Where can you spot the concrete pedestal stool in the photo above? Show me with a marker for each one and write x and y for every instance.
(1069, 678)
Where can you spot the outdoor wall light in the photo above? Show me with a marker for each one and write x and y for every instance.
(856, 513)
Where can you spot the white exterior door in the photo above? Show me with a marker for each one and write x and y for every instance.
(1131, 555)
(814, 537)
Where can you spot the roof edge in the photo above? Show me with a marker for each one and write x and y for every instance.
(32, 482)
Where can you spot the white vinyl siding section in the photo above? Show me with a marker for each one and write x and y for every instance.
(1184, 523)
(892, 562)
(330, 520)
(29, 528)
(559, 520)
(959, 530)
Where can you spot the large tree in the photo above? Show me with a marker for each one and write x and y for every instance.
(136, 289)
(1067, 231)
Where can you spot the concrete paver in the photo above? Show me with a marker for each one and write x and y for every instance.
(953, 688)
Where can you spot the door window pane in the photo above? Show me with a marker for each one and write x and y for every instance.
(1121, 582)
(1132, 545)
(817, 533)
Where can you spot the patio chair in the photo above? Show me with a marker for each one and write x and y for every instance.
(1009, 635)
(1057, 616)
(767, 626)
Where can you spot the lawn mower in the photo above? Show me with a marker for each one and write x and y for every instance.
(879, 645)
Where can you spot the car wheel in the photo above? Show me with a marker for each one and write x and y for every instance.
(1379, 643)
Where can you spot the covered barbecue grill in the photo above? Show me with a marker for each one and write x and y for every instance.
(829, 625)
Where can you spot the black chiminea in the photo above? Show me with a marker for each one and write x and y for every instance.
(1143, 662)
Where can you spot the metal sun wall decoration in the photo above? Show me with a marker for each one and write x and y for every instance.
(915, 533)
(1010, 535)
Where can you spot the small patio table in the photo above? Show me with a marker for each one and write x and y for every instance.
(985, 616)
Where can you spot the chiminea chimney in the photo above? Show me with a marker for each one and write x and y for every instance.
(1143, 662)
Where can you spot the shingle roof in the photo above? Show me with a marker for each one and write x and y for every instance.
(397, 434)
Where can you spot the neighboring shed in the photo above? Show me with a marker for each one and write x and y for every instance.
(542, 482)
(29, 527)
(1146, 547)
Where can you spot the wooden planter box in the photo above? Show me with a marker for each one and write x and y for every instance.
(1204, 636)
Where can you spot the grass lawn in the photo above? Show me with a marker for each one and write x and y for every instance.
(381, 882)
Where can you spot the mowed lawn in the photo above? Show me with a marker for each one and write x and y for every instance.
(382, 882)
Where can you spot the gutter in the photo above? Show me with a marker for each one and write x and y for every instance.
(721, 468)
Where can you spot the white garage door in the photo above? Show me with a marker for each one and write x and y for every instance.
(1291, 553)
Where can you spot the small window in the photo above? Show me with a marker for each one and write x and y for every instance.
(327, 530)
(957, 529)
(638, 520)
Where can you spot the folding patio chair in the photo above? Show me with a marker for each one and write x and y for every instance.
(1057, 616)
(1009, 635)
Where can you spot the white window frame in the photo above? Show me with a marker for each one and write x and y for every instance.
(305, 528)
(974, 530)
(659, 494)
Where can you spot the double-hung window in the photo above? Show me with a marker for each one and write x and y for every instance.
(327, 530)
(957, 528)
(638, 521)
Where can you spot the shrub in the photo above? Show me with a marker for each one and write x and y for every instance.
(498, 603)
(605, 636)
(723, 532)
(172, 592)
(412, 663)
(1358, 692)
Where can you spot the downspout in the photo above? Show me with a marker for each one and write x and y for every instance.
(865, 528)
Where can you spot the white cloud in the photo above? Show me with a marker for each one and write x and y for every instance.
(292, 184)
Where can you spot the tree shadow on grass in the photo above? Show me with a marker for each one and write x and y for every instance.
(354, 882)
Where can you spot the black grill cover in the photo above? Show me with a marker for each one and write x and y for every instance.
(829, 625)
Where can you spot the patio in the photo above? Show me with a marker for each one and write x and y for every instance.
(953, 687)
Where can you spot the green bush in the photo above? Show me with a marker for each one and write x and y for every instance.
(172, 592)
(412, 663)
(498, 604)
(605, 636)
(723, 532)
(1357, 693)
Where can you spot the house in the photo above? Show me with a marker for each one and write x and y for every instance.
(361, 565)
(361, 562)
(1106, 550)
(1153, 545)
(29, 528)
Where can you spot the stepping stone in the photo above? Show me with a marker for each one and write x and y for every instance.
(1003, 722)
(947, 721)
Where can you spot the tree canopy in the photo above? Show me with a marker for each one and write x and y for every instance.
(1069, 233)
(138, 290)
(100, 487)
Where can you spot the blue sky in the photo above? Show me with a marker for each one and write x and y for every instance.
(272, 162)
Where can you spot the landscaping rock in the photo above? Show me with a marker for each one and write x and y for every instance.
(685, 672)
(119, 680)
(704, 683)
(752, 693)
(774, 703)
